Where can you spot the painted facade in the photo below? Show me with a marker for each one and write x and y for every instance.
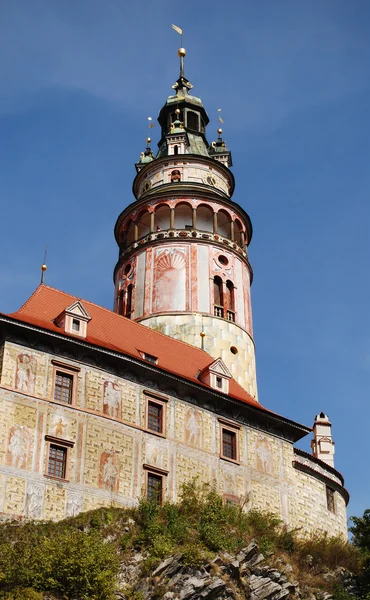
(101, 407)
(111, 449)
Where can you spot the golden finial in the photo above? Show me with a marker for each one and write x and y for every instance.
(181, 52)
(43, 266)
(178, 111)
(148, 140)
(202, 335)
(219, 131)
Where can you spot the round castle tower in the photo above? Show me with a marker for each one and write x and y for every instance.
(183, 264)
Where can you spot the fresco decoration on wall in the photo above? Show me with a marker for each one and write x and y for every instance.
(60, 426)
(25, 373)
(154, 455)
(34, 500)
(230, 484)
(264, 456)
(111, 399)
(169, 289)
(108, 472)
(18, 446)
(74, 504)
(193, 427)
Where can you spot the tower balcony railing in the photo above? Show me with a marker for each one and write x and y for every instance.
(188, 233)
(230, 315)
(218, 311)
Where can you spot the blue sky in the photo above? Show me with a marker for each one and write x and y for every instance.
(79, 80)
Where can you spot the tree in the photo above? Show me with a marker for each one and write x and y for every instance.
(361, 538)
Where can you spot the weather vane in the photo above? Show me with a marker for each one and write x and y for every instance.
(43, 266)
(219, 130)
(179, 30)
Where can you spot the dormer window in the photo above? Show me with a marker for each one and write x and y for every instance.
(217, 376)
(74, 319)
(149, 357)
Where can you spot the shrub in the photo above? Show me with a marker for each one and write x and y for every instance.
(331, 552)
(71, 562)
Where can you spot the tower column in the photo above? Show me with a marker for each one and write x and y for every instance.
(172, 218)
(215, 228)
(152, 222)
(194, 218)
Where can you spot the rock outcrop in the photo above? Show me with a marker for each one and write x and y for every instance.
(244, 576)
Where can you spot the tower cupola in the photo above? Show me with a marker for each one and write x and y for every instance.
(189, 111)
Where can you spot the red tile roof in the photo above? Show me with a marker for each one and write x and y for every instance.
(115, 332)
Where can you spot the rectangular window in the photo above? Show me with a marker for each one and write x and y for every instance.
(155, 488)
(155, 417)
(229, 440)
(229, 444)
(57, 461)
(330, 500)
(63, 387)
(219, 382)
(75, 325)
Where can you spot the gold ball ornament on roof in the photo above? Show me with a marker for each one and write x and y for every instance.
(177, 111)
(43, 267)
(181, 52)
(219, 131)
(148, 140)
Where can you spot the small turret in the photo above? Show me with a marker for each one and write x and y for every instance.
(146, 156)
(219, 151)
(322, 444)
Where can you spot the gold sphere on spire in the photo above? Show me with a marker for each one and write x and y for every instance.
(43, 267)
(219, 131)
(148, 140)
(177, 111)
(181, 52)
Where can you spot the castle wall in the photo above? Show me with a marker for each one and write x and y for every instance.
(110, 448)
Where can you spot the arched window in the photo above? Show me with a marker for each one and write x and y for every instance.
(143, 224)
(183, 216)
(238, 230)
(204, 218)
(230, 301)
(224, 223)
(130, 233)
(162, 218)
(128, 310)
(218, 300)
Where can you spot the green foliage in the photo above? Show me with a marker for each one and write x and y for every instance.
(361, 538)
(133, 594)
(22, 594)
(332, 552)
(66, 561)
(361, 531)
